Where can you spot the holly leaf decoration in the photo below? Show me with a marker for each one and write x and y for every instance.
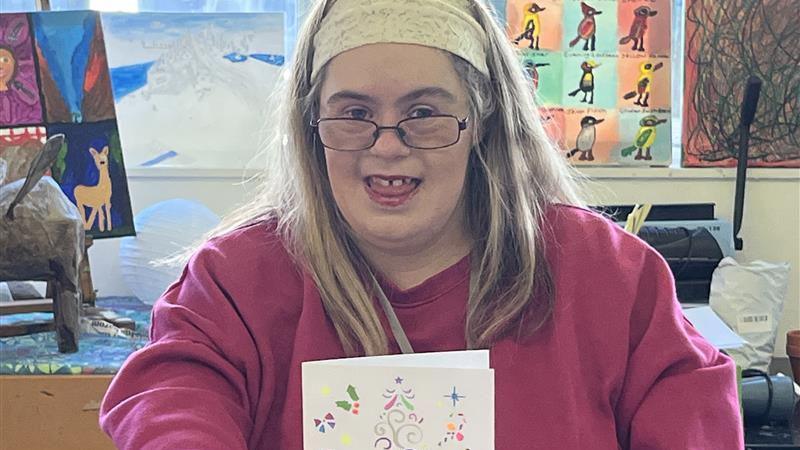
(351, 391)
(344, 404)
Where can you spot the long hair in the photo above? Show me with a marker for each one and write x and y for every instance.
(514, 173)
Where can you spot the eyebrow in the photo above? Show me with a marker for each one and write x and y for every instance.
(442, 93)
(431, 91)
(348, 95)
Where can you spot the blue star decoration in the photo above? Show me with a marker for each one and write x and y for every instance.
(455, 397)
(398, 380)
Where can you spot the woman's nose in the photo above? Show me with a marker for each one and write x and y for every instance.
(389, 144)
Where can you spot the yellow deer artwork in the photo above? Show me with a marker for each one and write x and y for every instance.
(97, 197)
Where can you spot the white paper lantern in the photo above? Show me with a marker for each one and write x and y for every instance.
(162, 230)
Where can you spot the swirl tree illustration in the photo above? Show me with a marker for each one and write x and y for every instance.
(398, 425)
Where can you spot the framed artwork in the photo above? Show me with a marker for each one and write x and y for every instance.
(726, 42)
(191, 89)
(601, 73)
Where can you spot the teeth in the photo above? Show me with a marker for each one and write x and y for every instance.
(394, 183)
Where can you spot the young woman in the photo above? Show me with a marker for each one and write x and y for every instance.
(416, 205)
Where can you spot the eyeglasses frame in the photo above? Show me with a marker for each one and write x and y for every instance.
(462, 125)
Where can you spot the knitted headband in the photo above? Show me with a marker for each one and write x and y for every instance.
(443, 24)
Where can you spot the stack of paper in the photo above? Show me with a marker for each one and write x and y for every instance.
(711, 327)
(428, 400)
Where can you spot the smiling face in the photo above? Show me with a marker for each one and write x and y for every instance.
(7, 66)
(395, 198)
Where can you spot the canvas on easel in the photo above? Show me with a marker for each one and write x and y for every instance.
(54, 78)
(78, 102)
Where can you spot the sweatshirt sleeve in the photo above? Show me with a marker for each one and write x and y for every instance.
(679, 391)
(188, 387)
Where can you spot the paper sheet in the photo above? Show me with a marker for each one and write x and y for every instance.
(706, 321)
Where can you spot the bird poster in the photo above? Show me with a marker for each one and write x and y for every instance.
(191, 89)
(410, 401)
(54, 79)
(601, 73)
(726, 42)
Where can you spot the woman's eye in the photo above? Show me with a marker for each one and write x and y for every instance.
(357, 113)
(421, 112)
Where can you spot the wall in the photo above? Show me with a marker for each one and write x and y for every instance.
(771, 223)
(771, 226)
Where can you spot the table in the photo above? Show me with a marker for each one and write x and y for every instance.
(50, 400)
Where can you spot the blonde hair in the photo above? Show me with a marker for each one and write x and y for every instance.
(514, 174)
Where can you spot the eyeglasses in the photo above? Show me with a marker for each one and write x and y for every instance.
(424, 133)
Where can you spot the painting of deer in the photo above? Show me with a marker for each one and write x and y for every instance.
(97, 196)
(91, 172)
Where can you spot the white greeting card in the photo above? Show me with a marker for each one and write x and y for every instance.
(420, 401)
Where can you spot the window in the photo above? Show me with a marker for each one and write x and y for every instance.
(17, 5)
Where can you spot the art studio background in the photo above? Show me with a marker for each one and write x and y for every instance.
(174, 183)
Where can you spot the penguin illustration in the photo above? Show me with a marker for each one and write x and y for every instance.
(533, 70)
(638, 27)
(531, 26)
(587, 29)
(585, 140)
(644, 138)
(586, 84)
(643, 84)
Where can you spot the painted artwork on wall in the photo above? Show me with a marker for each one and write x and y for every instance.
(601, 72)
(726, 42)
(19, 92)
(59, 60)
(191, 90)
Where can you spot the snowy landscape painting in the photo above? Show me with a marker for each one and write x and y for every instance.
(191, 90)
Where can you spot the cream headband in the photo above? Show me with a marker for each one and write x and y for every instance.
(442, 24)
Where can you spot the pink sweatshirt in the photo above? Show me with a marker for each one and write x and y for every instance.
(617, 366)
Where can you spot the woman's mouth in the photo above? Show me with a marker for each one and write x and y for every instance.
(391, 191)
